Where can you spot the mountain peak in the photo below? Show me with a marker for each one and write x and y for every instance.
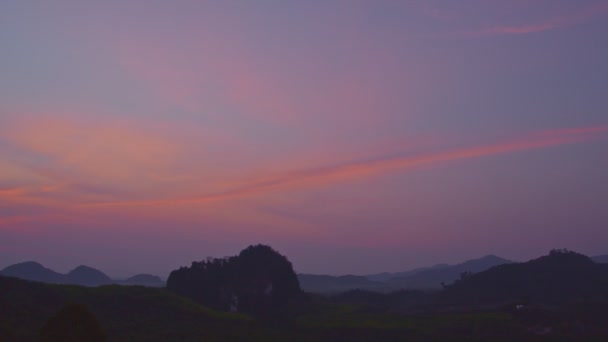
(31, 270)
(28, 264)
(83, 268)
(560, 276)
(85, 275)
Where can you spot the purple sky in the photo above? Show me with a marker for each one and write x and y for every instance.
(352, 136)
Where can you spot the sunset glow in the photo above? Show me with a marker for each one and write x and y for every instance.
(137, 136)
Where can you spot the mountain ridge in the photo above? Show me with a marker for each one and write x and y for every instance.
(34, 271)
(436, 278)
(419, 278)
(81, 275)
(430, 277)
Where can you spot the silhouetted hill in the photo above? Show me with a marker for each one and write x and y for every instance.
(560, 277)
(81, 275)
(433, 278)
(87, 276)
(31, 270)
(333, 284)
(259, 281)
(144, 280)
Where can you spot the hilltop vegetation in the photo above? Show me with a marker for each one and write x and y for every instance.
(258, 281)
(560, 277)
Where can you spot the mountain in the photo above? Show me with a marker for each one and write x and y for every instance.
(81, 275)
(333, 284)
(87, 276)
(386, 276)
(259, 281)
(419, 278)
(560, 277)
(602, 259)
(144, 280)
(435, 276)
(31, 270)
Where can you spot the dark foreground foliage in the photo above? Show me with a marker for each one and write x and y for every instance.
(125, 313)
(73, 323)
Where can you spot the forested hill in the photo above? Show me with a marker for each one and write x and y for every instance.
(560, 277)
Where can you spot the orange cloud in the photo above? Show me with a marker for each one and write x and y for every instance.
(115, 151)
(12, 192)
(102, 151)
(58, 159)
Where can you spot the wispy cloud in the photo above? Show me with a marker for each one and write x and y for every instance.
(561, 21)
(372, 167)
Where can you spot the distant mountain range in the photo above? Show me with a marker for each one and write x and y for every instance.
(335, 284)
(602, 259)
(433, 278)
(386, 276)
(419, 278)
(81, 275)
(425, 278)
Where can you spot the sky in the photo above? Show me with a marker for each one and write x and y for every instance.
(352, 136)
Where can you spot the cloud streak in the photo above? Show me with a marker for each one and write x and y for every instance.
(336, 173)
(558, 22)
(566, 20)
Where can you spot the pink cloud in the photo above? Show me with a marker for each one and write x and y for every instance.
(565, 20)
(121, 152)
(330, 174)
